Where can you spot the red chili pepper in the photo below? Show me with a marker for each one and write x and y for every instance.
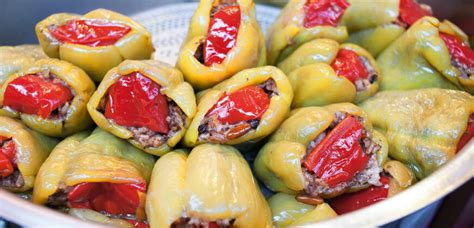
(136, 101)
(92, 33)
(245, 104)
(356, 200)
(35, 95)
(222, 35)
(466, 137)
(324, 12)
(339, 156)
(7, 157)
(110, 197)
(411, 11)
(458, 50)
(349, 65)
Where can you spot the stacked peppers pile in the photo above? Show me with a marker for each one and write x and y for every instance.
(101, 132)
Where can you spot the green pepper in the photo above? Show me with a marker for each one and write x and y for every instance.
(97, 158)
(423, 127)
(313, 78)
(279, 164)
(212, 184)
(221, 115)
(68, 118)
(179, 95)
(13, 58)
(29, 150)
(92, 56)
(421, 59)
(246, 50)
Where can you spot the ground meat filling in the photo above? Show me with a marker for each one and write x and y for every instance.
(198, 223)
(14, 180)
(148, 138)
(466, 71)
(370, 175)
(212, 130)
(363, 83)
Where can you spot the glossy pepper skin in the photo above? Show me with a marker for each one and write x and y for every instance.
(422, 127)
(172, 85)
(96, 61)
(91, 157)
(212, 182)
(77, 119)
(287, 211)
(315, 81)
(420, 59)
(13, 58)
(277, 110)
(288, 32)
(279, 163)
(247, 52)
(32, 149)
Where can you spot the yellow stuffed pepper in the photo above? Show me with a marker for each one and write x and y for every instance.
(324, 72)
(95, 42)
(49, 96)
(96, 177)
(300, 156)
(424, 128)
(223, 39)
(13, 58)
(213, 186)
(245, 108)
(301, 21)
(146, 102)
(430, 54)
(22, 151)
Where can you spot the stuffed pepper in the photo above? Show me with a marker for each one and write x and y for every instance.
(430, 54)
(288, 211)
(304, 20)
(245, 108)
(49, 96)
(146, 102)
(223, 39)
(213, 186)
(424, 128)
(95, 42)
(323, 72)
(375, 25)
(13, 58)
(96, 177)
(323, 152)
(22, 151)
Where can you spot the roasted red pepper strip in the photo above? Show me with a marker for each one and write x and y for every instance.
(36, 95)
(136, 101)
(356, 200)
(339, 156)
(466, 137)
(411, 11)
(7, 157)
(92, 33)
(458, 50)
(349, 65)
(116, 199)
(245, 104)
(324, 12)
(222, 35)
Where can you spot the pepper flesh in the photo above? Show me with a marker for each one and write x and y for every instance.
(7, 157)
(222, 35)
(92, 33)
(339, 156)
(245, 104)
(110, 197)
(458, 50)
(135, 100)
(349, 65)
(35, 95)
(466, 137)
(324, 12)
(411, 11)
(356, 200)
